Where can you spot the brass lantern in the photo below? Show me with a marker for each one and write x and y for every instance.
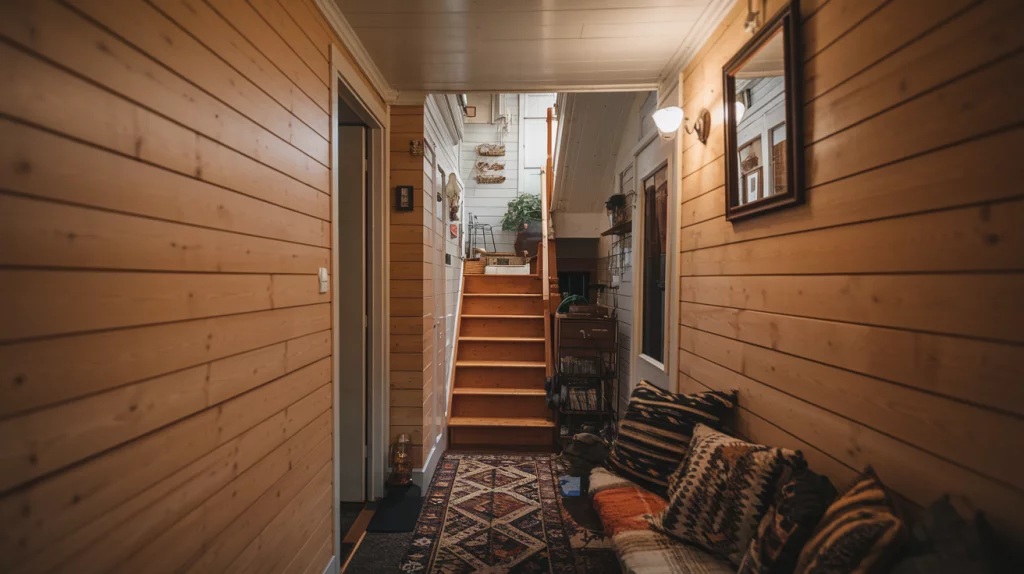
(401, 464)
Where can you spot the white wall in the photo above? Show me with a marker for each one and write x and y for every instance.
(446, 151)
(621, 297)
(525, 140)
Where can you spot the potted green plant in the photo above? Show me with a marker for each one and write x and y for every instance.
(616, 205)
(523, 217)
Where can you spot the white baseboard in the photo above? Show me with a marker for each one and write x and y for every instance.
(332, 566)
(421, 477)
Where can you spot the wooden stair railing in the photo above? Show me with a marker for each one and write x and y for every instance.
(455, 350)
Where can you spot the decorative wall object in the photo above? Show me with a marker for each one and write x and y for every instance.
(491, 150)
(416, 147)
(763, 144)
(404, 198)
(454, 192)
(483, 178)
(490, 166)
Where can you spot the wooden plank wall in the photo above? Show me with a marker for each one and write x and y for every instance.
(879, 323)
(412, 308)
(165, 356)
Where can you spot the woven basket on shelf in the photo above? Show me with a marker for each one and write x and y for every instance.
(490, 178)
(492, 150)
(475, 266)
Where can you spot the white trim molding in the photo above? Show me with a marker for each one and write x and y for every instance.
(355, 48)
(451, 113)
(409, 98)
(688, 48)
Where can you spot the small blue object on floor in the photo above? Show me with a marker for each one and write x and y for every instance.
(570, 485)
(398, 510)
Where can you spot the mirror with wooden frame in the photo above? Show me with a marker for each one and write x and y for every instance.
(763, 120)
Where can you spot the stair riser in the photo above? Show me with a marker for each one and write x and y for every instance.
(502, 284)
(502, 327)
(489, 436)
(499, 378)
(500, 351)
(492, 406)
(502, 305)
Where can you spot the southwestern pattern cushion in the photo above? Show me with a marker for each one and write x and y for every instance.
(788, 525)
(722, 490)
(859, 534)
(655, 432)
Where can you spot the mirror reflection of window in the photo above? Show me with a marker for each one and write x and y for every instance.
(761, 132)
(779, 173)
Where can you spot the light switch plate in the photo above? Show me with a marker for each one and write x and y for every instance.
(323, 279)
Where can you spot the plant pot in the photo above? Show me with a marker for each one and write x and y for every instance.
(527, 238)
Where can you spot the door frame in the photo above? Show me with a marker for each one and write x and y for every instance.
(348, 84)
(671, 336)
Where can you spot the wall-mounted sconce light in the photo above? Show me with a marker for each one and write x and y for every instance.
(742, 103)
(668, 121)
(415, 147)
(702, 126)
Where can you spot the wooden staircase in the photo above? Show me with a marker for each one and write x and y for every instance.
(497, 395)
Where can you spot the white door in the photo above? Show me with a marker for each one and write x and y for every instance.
(433, 409)
(440, 319)
(653, 269)
(350, 273)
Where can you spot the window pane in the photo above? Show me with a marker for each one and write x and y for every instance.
(655, 235)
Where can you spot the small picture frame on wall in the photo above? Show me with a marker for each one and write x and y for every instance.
(752, 185)
(404, 198)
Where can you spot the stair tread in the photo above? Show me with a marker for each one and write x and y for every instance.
(465, 316)
(499, 391)
(502, 295)
(505, 339)
(511, 364)
(500, 422)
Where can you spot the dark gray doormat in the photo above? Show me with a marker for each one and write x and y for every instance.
(398, 510)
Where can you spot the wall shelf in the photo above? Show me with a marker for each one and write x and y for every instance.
(620, 229)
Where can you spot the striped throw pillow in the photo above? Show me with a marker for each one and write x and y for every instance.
(860, 532)
(654, 435)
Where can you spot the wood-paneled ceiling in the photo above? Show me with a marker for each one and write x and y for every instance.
(593, 131)
(524, 45)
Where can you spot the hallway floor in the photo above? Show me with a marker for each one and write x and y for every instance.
(494, 513)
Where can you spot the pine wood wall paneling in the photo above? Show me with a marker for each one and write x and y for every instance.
(244, 18)
(41, 94)
(165, 352)
(103, 58)
(38, 303)
(879, 322)
(49, 371)
(218, 35)
(411, 310)
(47, 166)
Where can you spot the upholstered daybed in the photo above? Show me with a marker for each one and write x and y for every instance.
(626, 511)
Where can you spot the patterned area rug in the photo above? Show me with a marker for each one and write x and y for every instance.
(502, 513)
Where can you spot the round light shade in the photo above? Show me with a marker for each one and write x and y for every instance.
(668, 119)
(740, 109)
